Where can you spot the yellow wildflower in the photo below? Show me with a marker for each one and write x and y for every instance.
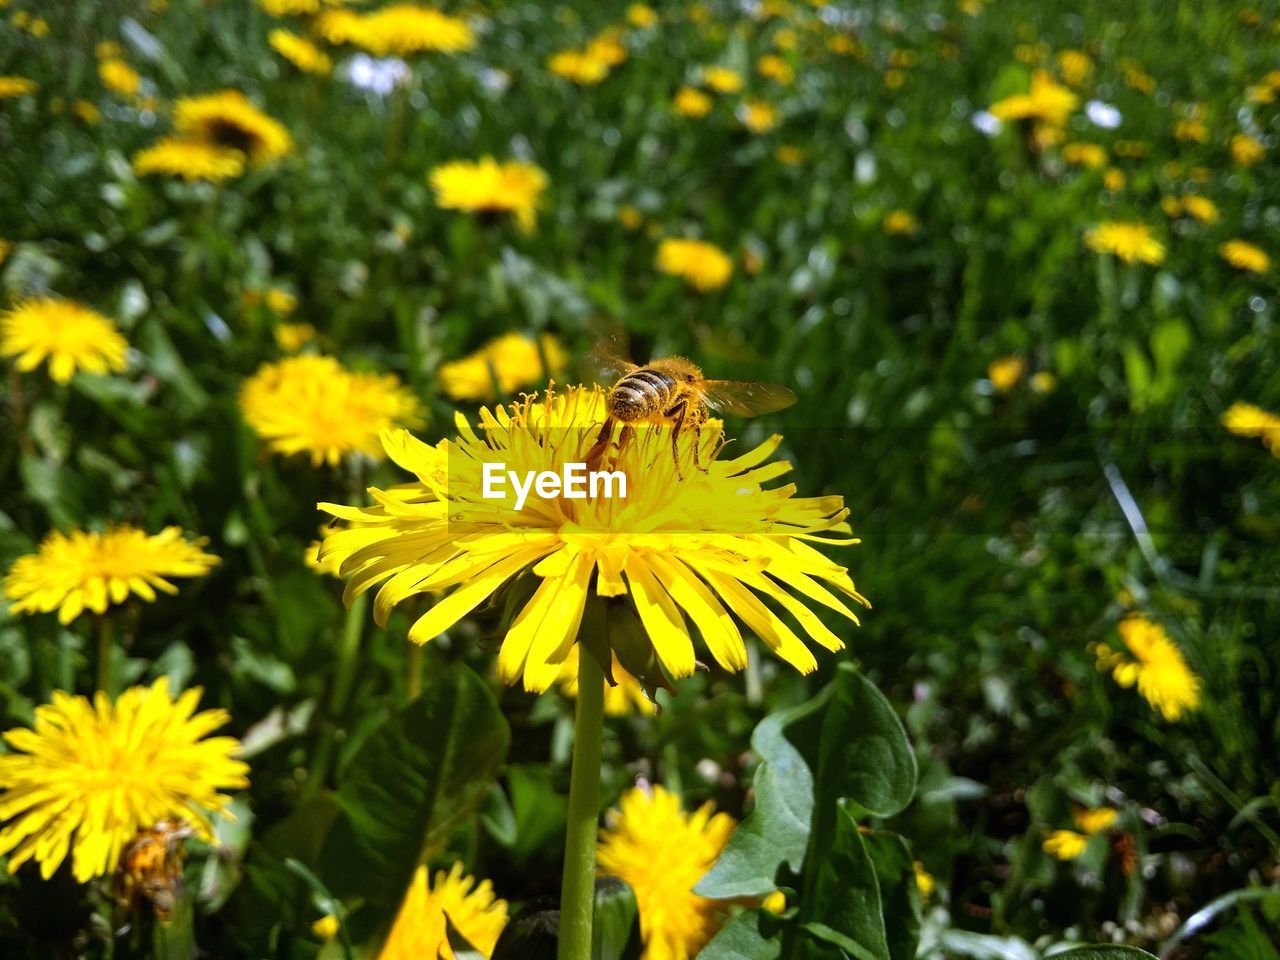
(662, 852)
(703, 265)
(71, 337)
(1006, 372)
(1245, 256)
(488, 187)
(515, 361)
(1065, 844)
(691, 102)
(88, 776)
(312, 404)
(421, 928)
(1246, 420)
(1155, 664)
(722, 79)
(299, 51)
(88, 570)
(1131, 242)
(680, 539)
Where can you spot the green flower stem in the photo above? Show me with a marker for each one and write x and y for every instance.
(105, 680)
(577, 893)
(344, 679)
(413, 672)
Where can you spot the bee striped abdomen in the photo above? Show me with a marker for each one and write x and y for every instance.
(640, 394)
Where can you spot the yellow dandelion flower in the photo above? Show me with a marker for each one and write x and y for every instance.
(900, 222)
(608, 49)
(87, 112)
(790, 156)
(775, 902)
(326, 928)
(579, 66)
(108, 50)
(311, 557)
(312, 404)
(1153, 662)
(1191, 131)
(1042, 382)
(336, 26)
(1006, 372)
(420, 931)
(773, 67)
(1065, 844)
(86, 777)
(1200, 208)
(292, 8)
(488, 187)
(228, 119)
(1096, 820)
(1246, 420)
(403, 29)
(299, 51)
(1136, 77)
(641, 15)
(1245, 256)
(1075, 66)
(280, 300)
(1114, 180)
(13, 87)
(662, 852)
(87, 570)
(630, 217)
(757, 116)
(189, 159)
(69, 336)
(924, 880)
(503, 366)
(292, 337)
(722, 79)
(1084, 155)
(702, 265)
(1047, 101)
(1245, 150)
(674, 541)
(118, 77)
(691, 102)
(844, 45)
(625, 696)
(1131, 242)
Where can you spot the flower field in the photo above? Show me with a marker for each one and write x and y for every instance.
(925, 353)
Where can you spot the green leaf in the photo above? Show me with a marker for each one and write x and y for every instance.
(851, 735)
(842, 904)
(425, 769)
(615, 928)
(745, 937)
(777, 830)
(864, 752)
(899, 891)
(1104, 953)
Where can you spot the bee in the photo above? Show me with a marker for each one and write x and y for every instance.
(673, 392)
(150, 869)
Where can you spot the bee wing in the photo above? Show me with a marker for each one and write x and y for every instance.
(745, 398)
(609, 359)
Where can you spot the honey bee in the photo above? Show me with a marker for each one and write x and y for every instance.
(672, 391)
(150, 869)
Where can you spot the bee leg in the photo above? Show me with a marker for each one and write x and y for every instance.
(596, 453)
(676, 413)
(697, 446)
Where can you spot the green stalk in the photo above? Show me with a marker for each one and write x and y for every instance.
(348, 654)
(577, 892)
(105, 680)
(413, 672)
